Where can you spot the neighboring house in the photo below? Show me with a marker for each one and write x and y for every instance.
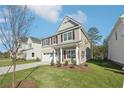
(70, 41)
(116, 42)
(30, 48)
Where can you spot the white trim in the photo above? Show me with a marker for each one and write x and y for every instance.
(61, 55)
(53, 40)
(77, 56)
(67, 36)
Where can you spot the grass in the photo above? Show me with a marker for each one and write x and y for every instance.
(102, 75)
(8, 62)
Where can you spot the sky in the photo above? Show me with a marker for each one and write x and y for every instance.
(48, 18)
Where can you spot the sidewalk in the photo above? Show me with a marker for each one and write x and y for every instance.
(3, 70)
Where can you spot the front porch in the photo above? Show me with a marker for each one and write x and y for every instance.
(67, 53)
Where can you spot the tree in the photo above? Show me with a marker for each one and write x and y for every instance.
(105, 46)
(94, 36)
(99, 52)
(17, 23)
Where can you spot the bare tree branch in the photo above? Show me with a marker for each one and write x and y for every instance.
(17, 23)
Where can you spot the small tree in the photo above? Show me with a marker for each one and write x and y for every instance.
(17, 22)
(105, 48)
(94, 36)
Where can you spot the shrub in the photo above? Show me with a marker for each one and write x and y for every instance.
(37, 59)
(58, 64)
(86, 65)
(66, 63)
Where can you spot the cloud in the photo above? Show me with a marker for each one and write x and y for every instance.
(80, 16)
(49, 13)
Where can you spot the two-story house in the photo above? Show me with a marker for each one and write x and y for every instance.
(70, 41)
(116, 42)
(30, 48)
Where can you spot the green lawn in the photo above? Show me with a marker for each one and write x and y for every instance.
(7, 62)
(102, 75)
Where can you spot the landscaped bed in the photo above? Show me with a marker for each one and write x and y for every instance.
(101, 76)
(81, 67)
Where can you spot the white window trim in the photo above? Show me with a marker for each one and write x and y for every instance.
(54, 41)
(71, 35)
(67, 36)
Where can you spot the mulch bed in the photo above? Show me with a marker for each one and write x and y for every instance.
(81, 67)
(23, 84)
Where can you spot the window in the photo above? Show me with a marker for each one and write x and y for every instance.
(70, 53)
(30, 45)
(32, 54)
(54, 40)
(67, 36)
(45, 42)
(116, 35)
(73, 54)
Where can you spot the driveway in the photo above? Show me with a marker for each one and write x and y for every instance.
(3, 70)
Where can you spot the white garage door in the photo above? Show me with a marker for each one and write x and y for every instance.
(47, 58)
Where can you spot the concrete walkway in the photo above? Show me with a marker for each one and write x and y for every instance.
(3, 70)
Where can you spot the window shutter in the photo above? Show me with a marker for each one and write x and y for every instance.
(56, 39)
(73, 35)
(64, 54)
(49, 41)
(61, 38)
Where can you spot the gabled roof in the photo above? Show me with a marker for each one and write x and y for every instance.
(24, 39)
(35, 40)
(76, 24)
(116, 24)
(70, 20)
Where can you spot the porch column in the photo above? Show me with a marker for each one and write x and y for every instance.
(54, 56)
(60, 55)
(77, 55)
(123, 68)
